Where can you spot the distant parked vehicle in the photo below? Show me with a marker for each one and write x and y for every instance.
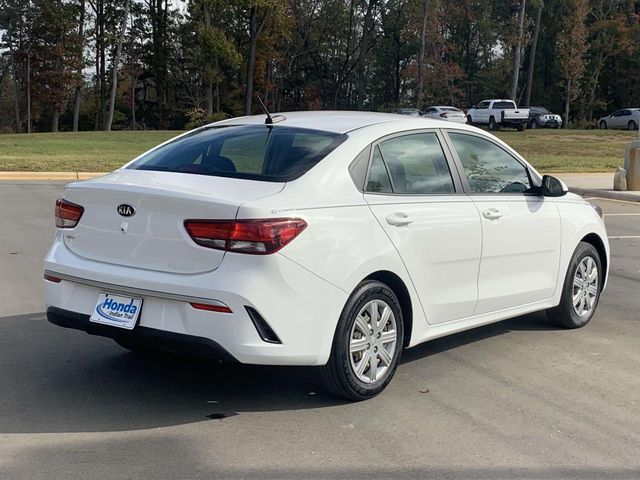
(450, 114)
(408, 111)
(626, 119)
(498, 113)
(540, 117)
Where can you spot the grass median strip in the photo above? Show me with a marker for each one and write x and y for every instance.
(548, 150)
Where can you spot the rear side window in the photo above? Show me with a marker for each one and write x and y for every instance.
(255, 152)
(411, 164)
(417, 164)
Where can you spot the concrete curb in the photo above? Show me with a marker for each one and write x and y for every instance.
(608, 194)
(49, 175)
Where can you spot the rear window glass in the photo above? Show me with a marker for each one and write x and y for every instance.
(504, 105)
(256, 152)
(449, 109)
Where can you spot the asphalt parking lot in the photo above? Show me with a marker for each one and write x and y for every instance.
(515, 400)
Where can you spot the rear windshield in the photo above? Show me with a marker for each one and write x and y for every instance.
(504, 105)
(449, 109)
(255, 152)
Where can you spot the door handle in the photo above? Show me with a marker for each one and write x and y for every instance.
(492, 214)
(399, 219)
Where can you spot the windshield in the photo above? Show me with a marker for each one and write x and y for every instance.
(540, 110)
(256, 152)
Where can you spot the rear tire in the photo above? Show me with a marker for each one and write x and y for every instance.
(581, 290)
(521, 128)
(534, 124)
(367, 344)
(633, 125)
(469, 120)
(493, 126)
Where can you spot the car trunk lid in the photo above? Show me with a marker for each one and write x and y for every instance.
(154, 237)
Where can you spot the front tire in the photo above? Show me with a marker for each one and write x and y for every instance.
(493, 126)
(581, 290)
(367, 344)
(633, 125)
(602, 125)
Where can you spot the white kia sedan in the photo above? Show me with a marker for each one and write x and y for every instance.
(335, 239)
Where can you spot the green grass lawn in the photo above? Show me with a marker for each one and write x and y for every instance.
(547, 150)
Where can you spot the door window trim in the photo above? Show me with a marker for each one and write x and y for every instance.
(535, 181)
(458, 186)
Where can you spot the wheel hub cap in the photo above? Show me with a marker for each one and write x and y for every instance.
(585, 287)
(373, 341)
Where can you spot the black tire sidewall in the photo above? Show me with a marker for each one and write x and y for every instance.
(340, 359)
(568, 315)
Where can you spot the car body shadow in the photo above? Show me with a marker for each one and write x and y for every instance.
(58, 380)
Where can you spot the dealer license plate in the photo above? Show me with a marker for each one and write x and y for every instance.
(116, 310)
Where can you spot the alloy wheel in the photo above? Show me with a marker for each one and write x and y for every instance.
(585, 286)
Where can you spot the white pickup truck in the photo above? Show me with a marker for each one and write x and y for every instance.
(498, 113)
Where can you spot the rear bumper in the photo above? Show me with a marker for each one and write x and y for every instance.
(301, 308)
(143, 336)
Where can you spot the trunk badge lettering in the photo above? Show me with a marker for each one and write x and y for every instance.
(124, 226)
(126, 210)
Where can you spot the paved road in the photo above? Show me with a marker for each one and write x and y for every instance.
(516, 400)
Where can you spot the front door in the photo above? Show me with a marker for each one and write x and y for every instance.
(521, 232)
(433, 225)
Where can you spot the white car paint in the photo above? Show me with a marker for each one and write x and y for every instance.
(461, 269)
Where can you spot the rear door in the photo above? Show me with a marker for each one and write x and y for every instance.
(521, 232)
(418, 201)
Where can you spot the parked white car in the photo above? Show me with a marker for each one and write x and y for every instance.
(450, 114)
(626, 119)
(498, 113)
(334, 239)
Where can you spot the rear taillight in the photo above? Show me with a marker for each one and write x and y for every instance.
(257, 237)
(67, 214)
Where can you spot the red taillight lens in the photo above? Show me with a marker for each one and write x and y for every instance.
(257, 237)
(67, 214)
(211, 308)
(52, 278)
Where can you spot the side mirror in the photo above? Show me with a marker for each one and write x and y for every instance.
(553, 187)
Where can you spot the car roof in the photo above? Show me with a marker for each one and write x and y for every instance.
(334, 120)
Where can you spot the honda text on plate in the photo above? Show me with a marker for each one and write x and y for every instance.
(335, 239)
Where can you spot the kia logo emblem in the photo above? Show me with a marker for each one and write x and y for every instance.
(126, 210)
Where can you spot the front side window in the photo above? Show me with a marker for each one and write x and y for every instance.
(489, 168)
(255, 152)
(415, 163)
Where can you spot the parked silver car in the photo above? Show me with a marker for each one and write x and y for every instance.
(626, 119)
(450, 114)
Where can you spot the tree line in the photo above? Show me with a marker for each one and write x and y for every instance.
(170, 64)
